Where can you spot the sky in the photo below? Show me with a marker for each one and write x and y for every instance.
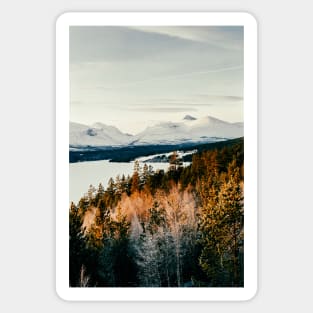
(133, 77)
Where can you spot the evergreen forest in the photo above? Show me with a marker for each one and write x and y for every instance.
(183, 227)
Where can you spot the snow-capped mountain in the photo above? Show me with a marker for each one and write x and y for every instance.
(188, 130)
(97, 135)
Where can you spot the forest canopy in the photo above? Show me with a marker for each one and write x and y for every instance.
(177, 228)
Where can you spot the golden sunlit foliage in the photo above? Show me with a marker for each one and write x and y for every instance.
(183, 227)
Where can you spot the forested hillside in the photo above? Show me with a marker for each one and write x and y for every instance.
(180, 228)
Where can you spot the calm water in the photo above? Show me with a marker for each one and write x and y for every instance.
(82, 174)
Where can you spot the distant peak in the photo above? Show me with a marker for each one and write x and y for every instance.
(98, 125)
(211, 118)
(189, 118)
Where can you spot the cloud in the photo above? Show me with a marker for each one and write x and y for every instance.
(178, 104)
(155, 70)
(168, 78)
(184, 104)
(191, 101)
(92, 44)
(162, 109)
(223, 98)
(226, 37)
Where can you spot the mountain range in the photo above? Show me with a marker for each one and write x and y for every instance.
(188, 130)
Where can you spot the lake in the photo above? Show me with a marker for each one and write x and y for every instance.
(83, 174)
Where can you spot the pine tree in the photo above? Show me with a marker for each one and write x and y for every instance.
(222, 232)
(84, 204)
(91, 195)
(135, 185)
(123, 266)
(76, 245)
(157, 218)
(124, 184)
(111, 187)
(99, 195)
(110, 193)
(145, 175)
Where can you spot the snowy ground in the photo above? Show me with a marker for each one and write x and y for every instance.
(151, 157)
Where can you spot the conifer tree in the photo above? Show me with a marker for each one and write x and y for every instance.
(124, 183)
(91, 195)
(135, 185)
(122, 264)
(99, 194)
(145, 174)
(111, 187)
(222, 232)
(76, 245)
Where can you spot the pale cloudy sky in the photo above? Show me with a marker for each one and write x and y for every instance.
(132, 77)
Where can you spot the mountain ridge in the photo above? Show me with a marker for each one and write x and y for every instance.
(188, 130)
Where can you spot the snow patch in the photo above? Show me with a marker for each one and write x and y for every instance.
(189, 130)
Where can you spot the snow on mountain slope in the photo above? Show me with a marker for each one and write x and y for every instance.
(97, 135)
(114, 132)
(188, 130)
(212, 127)
(163, 133)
